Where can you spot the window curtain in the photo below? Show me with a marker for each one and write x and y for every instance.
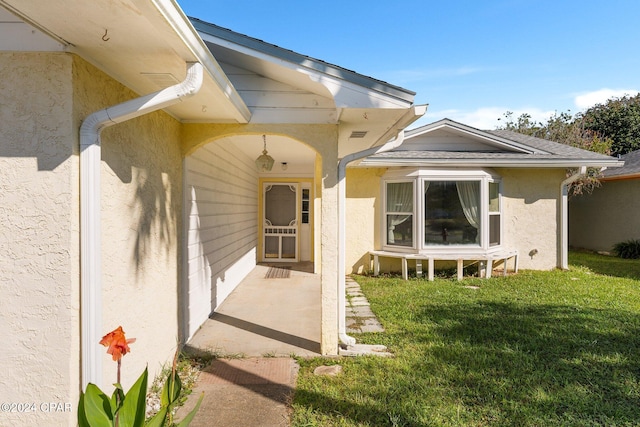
(399, 199)
(469, 195)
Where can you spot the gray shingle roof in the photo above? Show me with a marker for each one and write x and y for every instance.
(631, 166)
(547, 153)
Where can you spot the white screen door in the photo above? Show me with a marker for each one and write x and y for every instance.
(280, 222)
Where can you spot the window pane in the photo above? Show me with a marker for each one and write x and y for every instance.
(452, 214)
(400, 197)
(400, 230)
(494, 197)
(494, 230)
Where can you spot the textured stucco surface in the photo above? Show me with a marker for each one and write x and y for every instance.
(530, 209)
(608, 216)
(39, 285)
(141, 212)
(532, 213)
(363, 217)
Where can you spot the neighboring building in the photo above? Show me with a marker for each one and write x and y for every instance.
(450, 189)
(609, 215)
(122, 208)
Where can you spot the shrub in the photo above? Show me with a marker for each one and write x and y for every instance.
(629, 249)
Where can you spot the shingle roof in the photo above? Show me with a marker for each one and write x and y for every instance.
(631, 166)
(547, 153)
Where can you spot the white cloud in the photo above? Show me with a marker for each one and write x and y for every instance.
(589, 99)
(485, 118)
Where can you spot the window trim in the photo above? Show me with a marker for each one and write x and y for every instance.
(385, 214)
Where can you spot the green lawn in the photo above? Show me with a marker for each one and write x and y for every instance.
(535, 349)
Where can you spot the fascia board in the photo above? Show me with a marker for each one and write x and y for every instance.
(290, 59)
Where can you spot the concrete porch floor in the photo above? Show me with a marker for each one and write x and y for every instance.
(266, 317)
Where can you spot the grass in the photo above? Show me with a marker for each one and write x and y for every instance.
(534, 349)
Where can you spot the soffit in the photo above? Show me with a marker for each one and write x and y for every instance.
(142, 44)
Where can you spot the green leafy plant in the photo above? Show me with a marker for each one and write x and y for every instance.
(629, 249)
(96, 409)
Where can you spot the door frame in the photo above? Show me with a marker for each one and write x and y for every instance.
(300, 182)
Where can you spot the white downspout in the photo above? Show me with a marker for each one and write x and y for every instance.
(90, 230)
(564, 213)
(342, 238)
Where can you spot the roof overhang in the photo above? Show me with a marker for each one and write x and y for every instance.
(143, 44)
(367, 111)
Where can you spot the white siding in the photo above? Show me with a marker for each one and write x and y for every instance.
(221, 212)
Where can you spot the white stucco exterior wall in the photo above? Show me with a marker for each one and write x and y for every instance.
(221, 212)
(608, 216)
(39, 251)
(141, 212)
(531, 200)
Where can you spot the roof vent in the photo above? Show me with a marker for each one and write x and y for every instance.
(358, 134)
(161, 80)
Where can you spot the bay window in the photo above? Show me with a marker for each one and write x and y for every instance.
(451, 209)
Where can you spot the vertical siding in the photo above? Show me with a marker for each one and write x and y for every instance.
(221, 213)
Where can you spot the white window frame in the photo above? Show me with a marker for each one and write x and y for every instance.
(385, 214)
(419, 176)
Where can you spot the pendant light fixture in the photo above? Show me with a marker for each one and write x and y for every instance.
(264, 163)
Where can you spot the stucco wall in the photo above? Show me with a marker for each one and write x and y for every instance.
(608, 216)
(530, 217)
(39, 288)
(221, 211)
(531, 207)
(363, 217)
(141, 212)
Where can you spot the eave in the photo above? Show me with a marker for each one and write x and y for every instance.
(143, 44)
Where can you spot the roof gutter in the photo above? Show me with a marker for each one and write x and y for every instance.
(564, 216)
(527, 163)
(90, 196)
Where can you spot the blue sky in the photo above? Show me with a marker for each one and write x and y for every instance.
(471, 61)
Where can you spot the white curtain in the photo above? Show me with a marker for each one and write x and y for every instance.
(469, 195)
(399, 199)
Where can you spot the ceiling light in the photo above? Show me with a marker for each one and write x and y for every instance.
(264, 163)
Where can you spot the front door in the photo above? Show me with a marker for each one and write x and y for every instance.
(280, 222)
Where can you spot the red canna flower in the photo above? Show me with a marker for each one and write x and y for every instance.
(117, 343)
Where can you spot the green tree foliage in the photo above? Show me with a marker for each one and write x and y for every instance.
(569, 130)
(617, 119)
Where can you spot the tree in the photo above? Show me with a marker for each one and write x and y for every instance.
(565, 129)
(617, 119)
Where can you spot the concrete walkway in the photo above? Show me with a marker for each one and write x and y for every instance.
(272, 315)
